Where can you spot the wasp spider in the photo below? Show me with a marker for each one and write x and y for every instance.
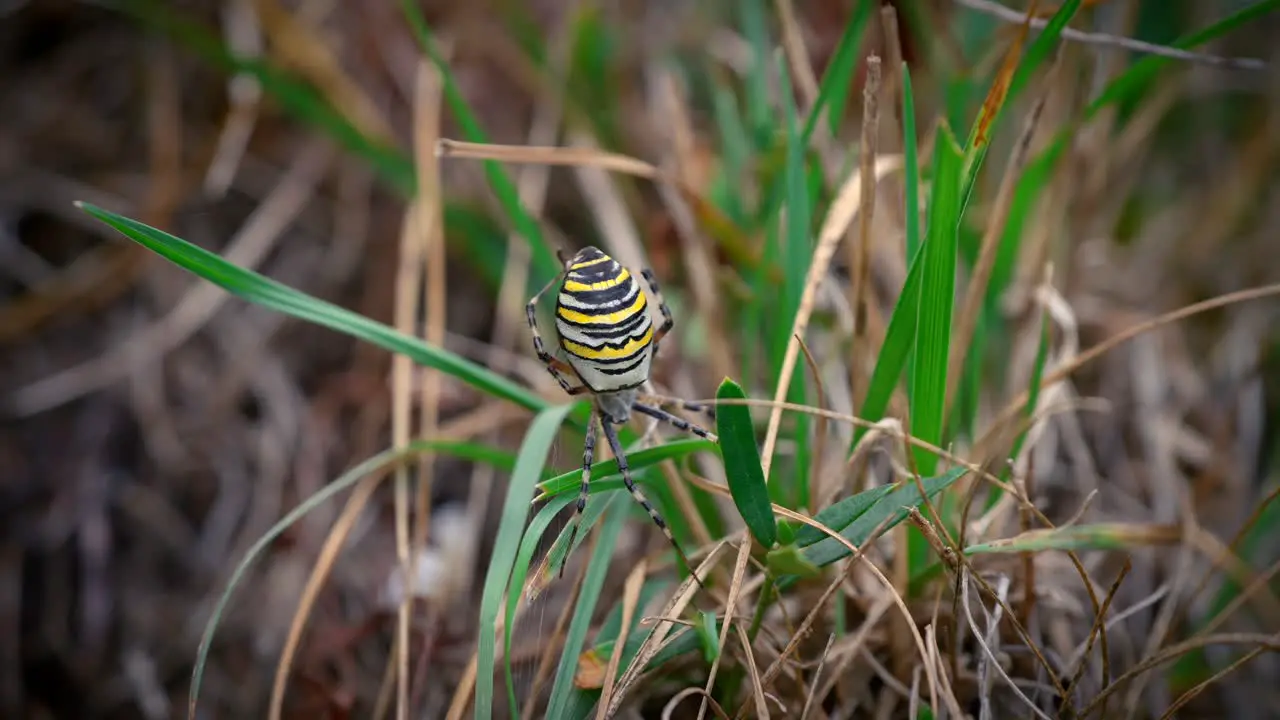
(608, 336)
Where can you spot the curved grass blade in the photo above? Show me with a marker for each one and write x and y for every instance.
(562, 691)
(275, 295)
(524, 478)
(381, 462)
(742, 464)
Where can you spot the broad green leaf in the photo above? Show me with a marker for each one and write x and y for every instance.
(742, 464)
(889, 511)
(840, 514)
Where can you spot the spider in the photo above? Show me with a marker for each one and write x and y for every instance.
(607, 334)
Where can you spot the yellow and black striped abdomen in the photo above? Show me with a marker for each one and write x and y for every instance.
(603, 319)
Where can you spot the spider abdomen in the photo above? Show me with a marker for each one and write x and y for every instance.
(602, 315)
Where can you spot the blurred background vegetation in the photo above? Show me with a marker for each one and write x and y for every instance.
(1073, 190)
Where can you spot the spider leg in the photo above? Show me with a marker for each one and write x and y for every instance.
(611, 435)
(668, 320)
(659, 400)
(558, 368)
(588, 456)
(678, 423)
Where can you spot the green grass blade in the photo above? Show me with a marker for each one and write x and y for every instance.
(268, 293)
(911, 157)
(735, 152)
(937, 295)
(796, 255)
(890, 509)
(378, 463)
(562, 691)
(837, 79)
(1033, 391)
(899, 339)
(524, 478)
(569, 483)
(742, 464)
(759, 118)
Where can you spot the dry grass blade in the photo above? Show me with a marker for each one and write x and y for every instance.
(244, 93)
(834, 226)
(408, 288)
(753, 673)
(1099, 630)
(669, 709)
(1267, 643)
(730, 605)
(1010, 411)
(859, 253)
(549, 155)
(654, 643)
(360, 496)
(851, 647)
(813, 694)
(856, 556)
(429, 214)
(1191, 694)
(992, 661)
(630, 597)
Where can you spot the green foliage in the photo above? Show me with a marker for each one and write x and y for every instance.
(769, 185)
(742, 465)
